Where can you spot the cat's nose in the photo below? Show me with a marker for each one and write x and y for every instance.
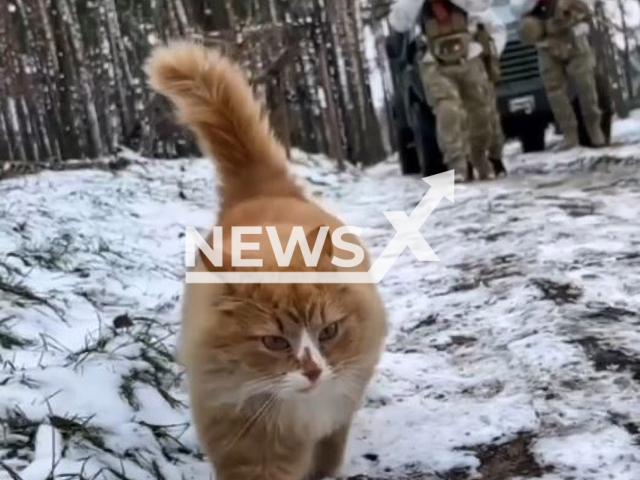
(313, 374)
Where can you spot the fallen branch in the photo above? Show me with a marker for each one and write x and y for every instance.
(16, 169)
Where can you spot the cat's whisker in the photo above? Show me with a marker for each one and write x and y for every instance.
(265, 385)
(350, 377)
(355, 360)
(262, 382)
(352, 383)
(348, 362)
(351, 374)
(255, 418)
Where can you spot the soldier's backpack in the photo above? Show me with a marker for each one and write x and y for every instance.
(446, 28)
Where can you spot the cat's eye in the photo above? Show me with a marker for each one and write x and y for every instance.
(329, 332)
(277, 344)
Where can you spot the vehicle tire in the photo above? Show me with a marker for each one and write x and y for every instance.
(427, 150)
(394, 44)
(408, 157)
(532, 137)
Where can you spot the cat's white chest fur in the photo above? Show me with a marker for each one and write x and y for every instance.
(318, 414)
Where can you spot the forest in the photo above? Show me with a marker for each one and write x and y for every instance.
(72, 82)
(72, 85)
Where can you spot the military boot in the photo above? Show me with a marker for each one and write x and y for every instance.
(461, 176)
(485, 170)
(460, 169)
(498, 166)
(470, 173)
(595, 134)
(570, 140)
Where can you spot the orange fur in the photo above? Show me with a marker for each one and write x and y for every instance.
(275, 372)
(213, 99)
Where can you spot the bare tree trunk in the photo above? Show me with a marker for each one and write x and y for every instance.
(627, 51)
(70, 18)
(72, 83)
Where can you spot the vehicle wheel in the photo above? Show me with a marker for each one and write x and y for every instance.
(605, 103)
(425, 140)
(532, 137)
(408, 157)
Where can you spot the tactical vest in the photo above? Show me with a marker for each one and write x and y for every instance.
(446, 27)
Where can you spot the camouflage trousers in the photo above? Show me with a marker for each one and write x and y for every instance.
(496, 144)
(458, 96)
(561, 59)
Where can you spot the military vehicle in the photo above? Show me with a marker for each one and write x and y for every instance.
(522, 101)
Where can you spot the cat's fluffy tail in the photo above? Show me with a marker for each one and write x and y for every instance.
(214, 99)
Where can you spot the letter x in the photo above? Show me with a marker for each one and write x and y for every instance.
(408, 228)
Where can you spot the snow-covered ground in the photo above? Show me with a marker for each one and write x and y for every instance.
(515, 357)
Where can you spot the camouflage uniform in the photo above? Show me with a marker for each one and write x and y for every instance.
(455, 80)
(496, 144)
(456, 83)
(561, 37)
(491, 58)
(458, 96)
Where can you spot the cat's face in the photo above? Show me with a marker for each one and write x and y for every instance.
(295, 340)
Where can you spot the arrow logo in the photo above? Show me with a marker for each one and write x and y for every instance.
(407, 228)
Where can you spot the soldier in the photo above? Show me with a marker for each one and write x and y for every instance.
(560, 29)
(454, 76)
(491, 53)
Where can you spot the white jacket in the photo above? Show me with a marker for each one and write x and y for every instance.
(404, 13)
(522, 7)
(404, 16)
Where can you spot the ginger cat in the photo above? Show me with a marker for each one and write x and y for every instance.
(275, 371)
